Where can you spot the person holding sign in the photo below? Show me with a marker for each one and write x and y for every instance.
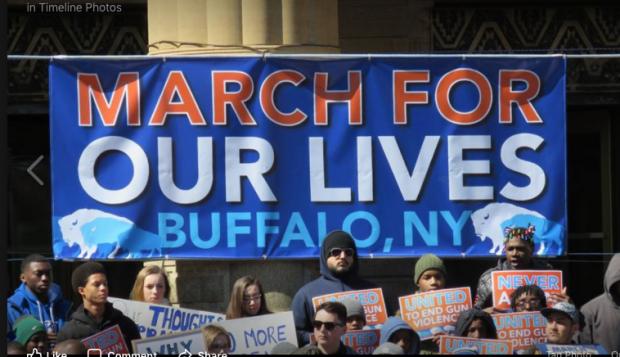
(151, 286)
(519, 248)
(339, 267)
(397, 331)
(562, 323)
(96, 314)
(217, 339)
(429, 274)
(329, 327)
(246, 299)
(475, 323)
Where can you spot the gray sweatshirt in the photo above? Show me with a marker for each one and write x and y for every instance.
(602, 314)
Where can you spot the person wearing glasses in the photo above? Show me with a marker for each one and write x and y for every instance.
(339, 272)
(217, 339)
(528, 298)
(247, 299)
(328, 327)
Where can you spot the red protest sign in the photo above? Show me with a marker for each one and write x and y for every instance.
(363, 342)
(108, 340)
(451, 344)
(503, 283)
(521, 329)
(371, 299)
(433, 311)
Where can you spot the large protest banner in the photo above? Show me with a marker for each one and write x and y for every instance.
(521, 329)
(259, 334)
(503, 283)
(172, 344)
(371, 300)
(450, 344)
(107, 341)
(434, 311)
(363, 342)
(255, 157)
(157, 320)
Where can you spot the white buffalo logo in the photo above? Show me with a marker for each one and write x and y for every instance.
(491, 220)
(89, 228)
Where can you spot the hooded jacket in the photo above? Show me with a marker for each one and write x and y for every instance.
(467, 317)
(327, 283)
(394, 324)
(52, 314)
(484, 292)
(83, 325)
(602, 314)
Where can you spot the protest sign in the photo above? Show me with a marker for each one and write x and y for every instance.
(172, 344)
(504, 282)
(434, 311)
(157, 320)
(192, 157)
(259, 334)
(571, 350)
(448, 345)
(521, 329)
(363, 342)
(371, 300)
(108, 340)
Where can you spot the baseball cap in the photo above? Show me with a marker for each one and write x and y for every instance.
(565, 308)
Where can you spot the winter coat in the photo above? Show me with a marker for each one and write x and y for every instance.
(82, 325)
(394, 324)
(467, 317)
(327, 283)
(484, 292)
(602, 314)
(312, 349)
(52, 314)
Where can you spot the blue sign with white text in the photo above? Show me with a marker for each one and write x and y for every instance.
(250, 157)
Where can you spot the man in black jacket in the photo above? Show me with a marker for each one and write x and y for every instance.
(96, 313)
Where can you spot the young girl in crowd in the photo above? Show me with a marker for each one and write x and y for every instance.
(217, 339)
(246, 299)
(151, 286)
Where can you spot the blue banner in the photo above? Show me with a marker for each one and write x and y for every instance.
(251, 157)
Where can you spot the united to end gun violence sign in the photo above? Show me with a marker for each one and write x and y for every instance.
(434, 311)
(522, 329)
(450, 344)
(371, 300)
(503, 283)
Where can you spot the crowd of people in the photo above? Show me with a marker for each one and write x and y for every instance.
(40, 318)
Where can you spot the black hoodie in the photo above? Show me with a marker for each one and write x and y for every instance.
(602, 314)
(467, 317)
(327, 283)
(82, 325)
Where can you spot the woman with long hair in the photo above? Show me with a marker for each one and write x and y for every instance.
(151, 286)
(246, 299)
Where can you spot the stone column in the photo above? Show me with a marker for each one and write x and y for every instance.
(182, 27)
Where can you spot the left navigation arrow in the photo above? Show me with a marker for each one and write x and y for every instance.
(31, 167)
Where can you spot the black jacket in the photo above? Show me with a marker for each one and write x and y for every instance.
(83, 325)
(467, 317)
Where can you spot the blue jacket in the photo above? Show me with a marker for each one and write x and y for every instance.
(394, 324)
(327, 283)
(54, 313)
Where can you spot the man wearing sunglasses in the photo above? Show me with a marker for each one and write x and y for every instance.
(339, 266)
(328, 327)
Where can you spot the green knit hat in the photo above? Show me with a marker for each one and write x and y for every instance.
(426, 262)
(26, 327)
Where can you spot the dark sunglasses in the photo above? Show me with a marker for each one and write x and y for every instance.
(330, 326)
(335, 252)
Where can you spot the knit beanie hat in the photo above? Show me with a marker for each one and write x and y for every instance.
(338, 239)
(426, 262)
(80, 274)
(389, 348)
(354, 308)
(26, 327)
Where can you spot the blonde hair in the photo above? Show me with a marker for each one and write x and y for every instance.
(137, 292)
(235, 305)
(212, 331)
